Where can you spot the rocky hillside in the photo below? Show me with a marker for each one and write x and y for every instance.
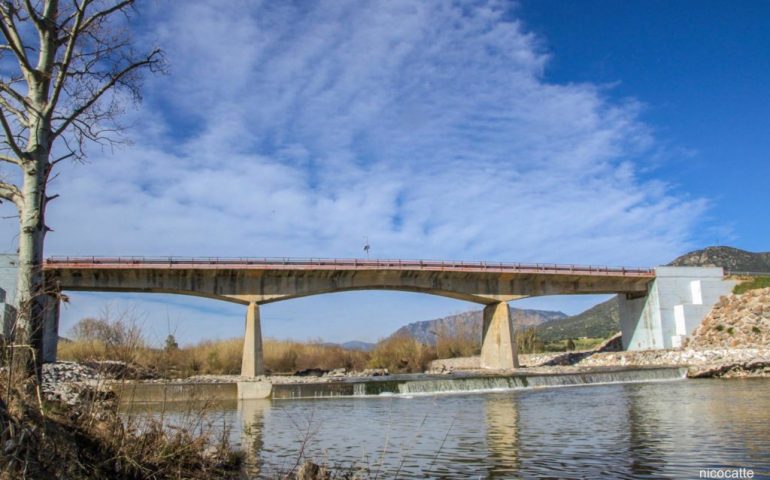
(736, 321)
(599, 321)
(729, 258)
(470, 323)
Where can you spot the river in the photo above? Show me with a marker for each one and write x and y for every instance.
(670, 429)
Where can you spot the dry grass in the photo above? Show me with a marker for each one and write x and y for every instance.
(290, 356)
(461, 341)
(222, 357)
(402, 354)
(90, 439)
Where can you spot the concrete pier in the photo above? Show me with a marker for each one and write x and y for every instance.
(50, 329)
(498, 345)
(252, 363)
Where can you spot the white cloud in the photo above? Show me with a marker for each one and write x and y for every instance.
(298, 130)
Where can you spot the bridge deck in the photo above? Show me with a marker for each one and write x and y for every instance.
(214, 263)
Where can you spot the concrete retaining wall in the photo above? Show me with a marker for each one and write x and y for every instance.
(676, 303)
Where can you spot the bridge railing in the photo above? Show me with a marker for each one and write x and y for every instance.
(747, 274)
(338, 263)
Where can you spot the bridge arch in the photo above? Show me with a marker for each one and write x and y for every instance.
(253, 282)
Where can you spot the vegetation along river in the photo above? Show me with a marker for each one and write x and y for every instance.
(670, 429)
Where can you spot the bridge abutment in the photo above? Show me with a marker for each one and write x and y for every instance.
(498, 345)
(252, 363)
(676, 303)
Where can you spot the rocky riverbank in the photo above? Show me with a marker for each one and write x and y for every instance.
(69, 382)
(717, 362)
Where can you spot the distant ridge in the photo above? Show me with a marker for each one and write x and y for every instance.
(730, 258)
(599, 321)
(356, 345)
(470, 322)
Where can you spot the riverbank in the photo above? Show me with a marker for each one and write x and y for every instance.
(716, 362)
(62, 381)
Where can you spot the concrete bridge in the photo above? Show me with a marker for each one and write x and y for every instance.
(256, 281)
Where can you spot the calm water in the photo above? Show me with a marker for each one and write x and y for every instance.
(652, 430)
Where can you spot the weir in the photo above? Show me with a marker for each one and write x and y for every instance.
(426, 384)
(405, 385)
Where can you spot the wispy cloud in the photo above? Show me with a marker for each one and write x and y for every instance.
(300, 129)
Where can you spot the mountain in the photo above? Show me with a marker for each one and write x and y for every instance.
(356, 345)
(599, 321)
(470, 323)
(729, 258)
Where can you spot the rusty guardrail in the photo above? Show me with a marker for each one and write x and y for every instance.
(287, 263)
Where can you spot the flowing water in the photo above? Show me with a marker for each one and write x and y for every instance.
(668, 429)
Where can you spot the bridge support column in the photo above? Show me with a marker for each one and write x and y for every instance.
(252, 363)
(498, 346)
(50, 328)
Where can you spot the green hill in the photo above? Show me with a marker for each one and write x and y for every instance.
(599, 321)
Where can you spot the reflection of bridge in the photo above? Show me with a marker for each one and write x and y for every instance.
(256, 281)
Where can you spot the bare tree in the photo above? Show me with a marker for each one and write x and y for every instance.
(67, 68)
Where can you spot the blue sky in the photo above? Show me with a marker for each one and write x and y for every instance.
(594, 132)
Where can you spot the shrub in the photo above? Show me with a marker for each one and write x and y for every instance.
(528, 342)
(115, 335)
(460, 340)
(402, 354)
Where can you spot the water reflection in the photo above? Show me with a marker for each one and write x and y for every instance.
(655, 430)
(252, 420)
(502, 419)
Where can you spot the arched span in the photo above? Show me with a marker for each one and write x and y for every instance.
(483, 300)
(245, 299)
(244, 285)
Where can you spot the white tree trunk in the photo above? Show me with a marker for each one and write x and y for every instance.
(31, 280)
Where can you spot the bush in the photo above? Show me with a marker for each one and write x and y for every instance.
(528, 342)
(461, 341)
(402, 354)
(115, 335)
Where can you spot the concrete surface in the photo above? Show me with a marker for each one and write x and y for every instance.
(677, 302)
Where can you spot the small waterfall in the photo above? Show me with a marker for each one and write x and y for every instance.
(423, 384)
(470, 384)
(359, 389)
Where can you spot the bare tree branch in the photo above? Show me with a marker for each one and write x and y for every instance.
(11, 33)
(63, 157)
(6, 158)
(21, 117)
(14, 94)
(65, 64)
(149, 61)
(10, 138)
(12, 193)
(33, 15)
(106, 12)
